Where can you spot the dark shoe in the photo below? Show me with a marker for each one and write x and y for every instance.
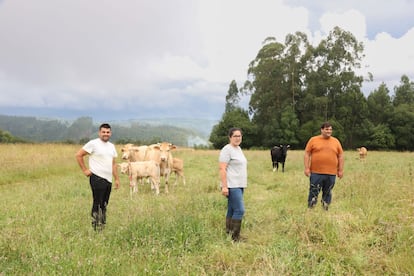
(228, 226)
(236, 225)
(325, 205)
(312, 203)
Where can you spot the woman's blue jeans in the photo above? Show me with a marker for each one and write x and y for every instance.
(235, 203)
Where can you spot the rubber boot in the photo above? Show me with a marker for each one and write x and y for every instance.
(228, 226)
(104, 216)
(94, 220)
(236, 225)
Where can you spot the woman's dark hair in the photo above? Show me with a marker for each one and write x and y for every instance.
(233, 129)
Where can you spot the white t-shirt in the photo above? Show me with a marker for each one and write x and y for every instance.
(236, 166)
(100, 158)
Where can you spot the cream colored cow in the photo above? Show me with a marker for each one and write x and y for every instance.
(139, 170)
(134, 153)
(362, 151)
(166, 161)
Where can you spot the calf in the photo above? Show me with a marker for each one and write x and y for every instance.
(178, 169)
(278, 154)
(140, 169)
(362, 153)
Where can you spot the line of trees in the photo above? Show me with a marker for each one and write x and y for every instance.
(14, 129)
(294, 87)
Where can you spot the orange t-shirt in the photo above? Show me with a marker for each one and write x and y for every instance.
(324, 154)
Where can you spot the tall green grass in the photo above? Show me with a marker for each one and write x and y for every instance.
(46, 230)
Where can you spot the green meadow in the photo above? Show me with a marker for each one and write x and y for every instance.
(46, 229)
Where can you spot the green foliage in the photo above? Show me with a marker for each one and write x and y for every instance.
(404, 94)
(402, 124)
(379, 137)
(6, 137)
(32, 129)
(236, 118)
(379, 105)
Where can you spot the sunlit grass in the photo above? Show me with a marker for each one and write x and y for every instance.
(46, 230)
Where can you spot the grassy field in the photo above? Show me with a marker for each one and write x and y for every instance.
(46, 230)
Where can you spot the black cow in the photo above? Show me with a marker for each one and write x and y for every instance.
(278, 154)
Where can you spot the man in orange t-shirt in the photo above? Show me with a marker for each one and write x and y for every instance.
(324, 160)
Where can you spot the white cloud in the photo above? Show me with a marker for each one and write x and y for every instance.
(352, 21)
(138, 56)
(388, 58)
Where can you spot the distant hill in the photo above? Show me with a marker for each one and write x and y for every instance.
(180, 131)
(202, 126)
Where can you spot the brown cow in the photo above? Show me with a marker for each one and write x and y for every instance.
(178, 169)
(362, 153)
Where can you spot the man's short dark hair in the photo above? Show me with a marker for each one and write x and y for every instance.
(104, 125)
(325, 125)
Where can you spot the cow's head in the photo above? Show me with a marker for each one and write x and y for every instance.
(124, 166)
(125, 151)
(285, 148)
(165, 149)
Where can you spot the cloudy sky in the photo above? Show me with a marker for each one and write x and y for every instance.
(129, 59)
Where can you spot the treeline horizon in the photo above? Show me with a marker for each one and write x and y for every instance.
(294, 87)
(22, 129)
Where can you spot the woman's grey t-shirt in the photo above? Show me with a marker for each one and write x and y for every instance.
(236, 166)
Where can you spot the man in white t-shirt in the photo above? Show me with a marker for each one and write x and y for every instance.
(102, 166)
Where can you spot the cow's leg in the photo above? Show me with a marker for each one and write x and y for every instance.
(283, 166)
(176, 178)
(166, 183)
(156, 185)
(136, 185)
(183, 177)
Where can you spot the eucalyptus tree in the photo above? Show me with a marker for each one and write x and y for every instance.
(233, 116)
(402, 126)
(404, 93)
(402, 119)
(274, 86)
(380, 105)
(232, 97)
(332, 88)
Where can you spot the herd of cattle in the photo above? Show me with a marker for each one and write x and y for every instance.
(155, 161)
(151, 162)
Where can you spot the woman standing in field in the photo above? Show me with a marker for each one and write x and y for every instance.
(233, 176)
